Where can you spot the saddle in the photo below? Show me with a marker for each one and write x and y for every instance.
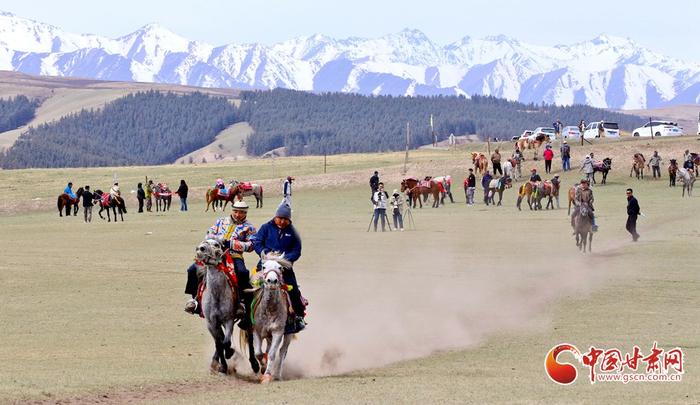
(104, 199)
(245, 186)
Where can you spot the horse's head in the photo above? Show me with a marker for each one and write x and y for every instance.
(474, 155)
(273, 266)
(210, 251)
(607, 162)
(583, 210)
(508, 181)
(404, 186)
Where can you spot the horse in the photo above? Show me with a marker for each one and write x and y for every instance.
(583, 228)
(527, 189)
(65, 201)
(687, 176)
(107, 201)
(550, 190)
(638, 162)
(215, 195)
(247, 189)
(163, 195)
(536, 143)
(410, 187)
(603, 167)
(481, 163)
(522, 144)
(219, 302)
(428, 186)
(672, 169)
(572, 201)
(270, 312)
(497, 186)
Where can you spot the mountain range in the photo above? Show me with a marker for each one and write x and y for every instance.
(606, 72)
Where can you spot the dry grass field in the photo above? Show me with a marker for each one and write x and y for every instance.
(462, 309)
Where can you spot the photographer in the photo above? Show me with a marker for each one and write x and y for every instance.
(379, 199)
(397, 205)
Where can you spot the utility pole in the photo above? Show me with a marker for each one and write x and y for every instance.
(324, 163)
(432, 131)
(408, 141)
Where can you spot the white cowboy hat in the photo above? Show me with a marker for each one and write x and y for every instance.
(240, 205)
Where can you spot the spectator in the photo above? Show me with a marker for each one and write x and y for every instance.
(374, 182)
(565, 156)
(587, 167)
(287, 191)
(548, 156)
(485, 184)
(149, 195)
(397, 206)
(496, 161)
(182, 192)
(557, 129)
(632, 214)
(140, 196)
(655, 163)
(379, 200)
(88, 198)
(601, 129)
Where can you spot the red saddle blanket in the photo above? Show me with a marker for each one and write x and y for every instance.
(245, 186)
(104, 199)
(226, 266)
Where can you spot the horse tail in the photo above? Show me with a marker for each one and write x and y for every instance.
(243, 341)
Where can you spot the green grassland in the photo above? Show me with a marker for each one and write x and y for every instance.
(462, 309)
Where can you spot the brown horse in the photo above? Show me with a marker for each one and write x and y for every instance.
(481, 163)
(428, 186)
(638, 166)
(672, 169)
(526, 190)
(215, 194)
(65, 201)
(550, 190)
(410, 187)
(572, 195)
(536, 143)
(162, 195)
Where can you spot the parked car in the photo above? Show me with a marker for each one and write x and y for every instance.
(546, 131)
(610, 130)
(570, 132)
(525, 134)
(659, 128)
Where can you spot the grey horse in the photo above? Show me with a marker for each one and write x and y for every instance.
(270, 317)
(688, 179)
(583, 227)
(219, 303)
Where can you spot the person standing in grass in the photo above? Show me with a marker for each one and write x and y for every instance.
(655, 164)
(140, 196)
(485, 181)
(149, 195)
(397, 206)
(548, 156)
(88, 198)
(182, 192)
(632, 214)
(565, 156)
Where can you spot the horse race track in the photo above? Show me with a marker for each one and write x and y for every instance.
(463, 309)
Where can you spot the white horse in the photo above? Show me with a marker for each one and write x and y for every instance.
(688, 179)
(509, 170)
(270, 317)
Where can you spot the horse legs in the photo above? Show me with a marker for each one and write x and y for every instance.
(590, 241)
(218, 335)
(517, 204)
(228, 331)
(251, 353)
(283, 355)
(259, 355)
(500, 197)
(273, 355)
(67, 206)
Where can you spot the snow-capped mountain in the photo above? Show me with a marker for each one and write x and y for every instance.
(606, 71)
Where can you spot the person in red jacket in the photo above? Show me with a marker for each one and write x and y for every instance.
(548, 156)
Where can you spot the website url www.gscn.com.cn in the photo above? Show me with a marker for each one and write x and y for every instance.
(628, 378)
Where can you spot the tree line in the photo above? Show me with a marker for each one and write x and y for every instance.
(144, 128)
(16, 111)
(307, 123)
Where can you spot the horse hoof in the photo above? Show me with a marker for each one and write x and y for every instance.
(266, 379)
(228, 352)
(214, 366)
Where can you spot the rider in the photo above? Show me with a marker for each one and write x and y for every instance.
(69, 190)
(584, 194)
(234, 231)
(279, 235)
(114, 191)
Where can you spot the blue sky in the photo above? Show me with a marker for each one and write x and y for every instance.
(671, 27)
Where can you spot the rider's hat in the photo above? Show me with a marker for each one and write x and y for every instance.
(240, 205)
(585, 181)
(534, 169)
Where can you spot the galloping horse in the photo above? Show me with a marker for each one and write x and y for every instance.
(429, 186)
(672, 169)
(410, 187)
(583, 228)
(247, 189)
(497, 186)
(603, 167)
(638, 162)
(481, 163)
(219, 302)
(270, 317)
(216, 194)
(64, 200)
(106, 201)
(163, 195)
(687, 176)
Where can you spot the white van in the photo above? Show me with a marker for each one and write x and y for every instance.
(610, 130)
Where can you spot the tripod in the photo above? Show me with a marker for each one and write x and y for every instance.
(385, 218)
(408, 218)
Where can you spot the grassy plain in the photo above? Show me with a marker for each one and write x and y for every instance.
(461, 310)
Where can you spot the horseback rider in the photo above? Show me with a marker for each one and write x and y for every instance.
(688, 160)
(114, 191)
(584, 195)
(69, 190)
(235, 232)
(535, 181)
(279, 235)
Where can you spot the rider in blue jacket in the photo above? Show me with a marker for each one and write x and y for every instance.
(279, 235)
